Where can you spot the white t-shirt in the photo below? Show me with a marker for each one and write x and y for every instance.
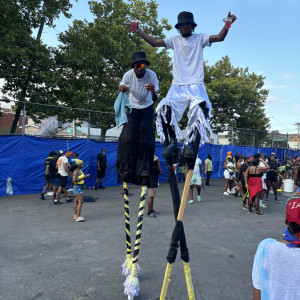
(276, 271)
(188, 64)
(198, 162)
(60, 163)
(139, 97)
(262, 165)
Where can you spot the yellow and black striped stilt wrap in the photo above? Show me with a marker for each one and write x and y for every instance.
(139, 226)
(127, 226)
(131, 284)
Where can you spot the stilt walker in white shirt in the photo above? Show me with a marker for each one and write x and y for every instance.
(187, 89)
(135, 154)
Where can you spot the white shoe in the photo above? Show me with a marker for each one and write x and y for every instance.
(226, 193)
(263, 205)
(191, 202)
(70, 190)
(50, 194)
(199, 198)
(232, 191)
(79, 219)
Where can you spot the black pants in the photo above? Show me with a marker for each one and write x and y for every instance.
(208, 174)
(136, 146)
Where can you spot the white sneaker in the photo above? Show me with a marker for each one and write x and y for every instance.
(226, 193)
(263, 205)
(191, 202)
(79, 219)
(70, 190)
(50, 194)
(199, 198)
(232, 191)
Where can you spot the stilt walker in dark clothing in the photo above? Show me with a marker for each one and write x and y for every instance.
(135, 152)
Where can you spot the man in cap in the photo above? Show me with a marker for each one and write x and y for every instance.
(276, 262)
(137, 140)
(63, 173)
(187, 88)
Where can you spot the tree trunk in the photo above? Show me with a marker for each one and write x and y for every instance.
(16, 118)
(103, 133)
(19, 106)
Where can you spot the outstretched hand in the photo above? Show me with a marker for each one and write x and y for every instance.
(232, 17)
(132, 26)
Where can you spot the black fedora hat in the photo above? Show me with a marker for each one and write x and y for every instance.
(185, 16)
(139, 56)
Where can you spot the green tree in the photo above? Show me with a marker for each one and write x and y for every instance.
(26, 63)
(238, 99)
(94, 56)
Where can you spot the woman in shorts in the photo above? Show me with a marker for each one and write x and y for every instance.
(78, 179)
(228, 168)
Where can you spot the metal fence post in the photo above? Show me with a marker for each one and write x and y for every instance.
(89, 126)
(24, 119)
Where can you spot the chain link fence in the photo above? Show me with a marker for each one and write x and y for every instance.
(92, 124)
(100, 125)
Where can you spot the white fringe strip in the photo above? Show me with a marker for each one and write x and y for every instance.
(127, 271)
(200, 124)
(131, 286)
(161, 114)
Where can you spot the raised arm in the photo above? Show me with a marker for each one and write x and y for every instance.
(222, 34)
(133, 26)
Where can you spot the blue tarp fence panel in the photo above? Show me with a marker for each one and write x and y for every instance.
(22, 158)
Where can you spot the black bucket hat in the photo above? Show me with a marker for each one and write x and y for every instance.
(139, 56)
(185, 16)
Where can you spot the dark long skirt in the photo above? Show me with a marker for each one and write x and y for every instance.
(136, 146)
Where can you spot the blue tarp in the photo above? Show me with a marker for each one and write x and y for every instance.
(22, 158)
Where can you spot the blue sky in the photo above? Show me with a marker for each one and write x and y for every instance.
(265, 38)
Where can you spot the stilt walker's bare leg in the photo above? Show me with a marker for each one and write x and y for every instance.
(132, 282)
(126, 267)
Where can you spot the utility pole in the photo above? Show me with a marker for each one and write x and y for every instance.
(298, 124)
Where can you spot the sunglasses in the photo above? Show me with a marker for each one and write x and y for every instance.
(140, 66)
(184, 24)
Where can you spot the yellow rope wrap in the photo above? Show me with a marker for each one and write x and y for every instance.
(139, 227)
(166, 282)
(188, 278)
(127, 223)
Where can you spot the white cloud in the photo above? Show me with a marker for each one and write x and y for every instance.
(270, 85)
(288, 76)
(272, 99)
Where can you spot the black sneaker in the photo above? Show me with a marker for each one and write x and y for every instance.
(57, 202)
(188, 151)
(172, 149)
(42, 197)
(154, 212)
(68, 200)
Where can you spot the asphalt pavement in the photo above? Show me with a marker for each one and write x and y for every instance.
(45, 254)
